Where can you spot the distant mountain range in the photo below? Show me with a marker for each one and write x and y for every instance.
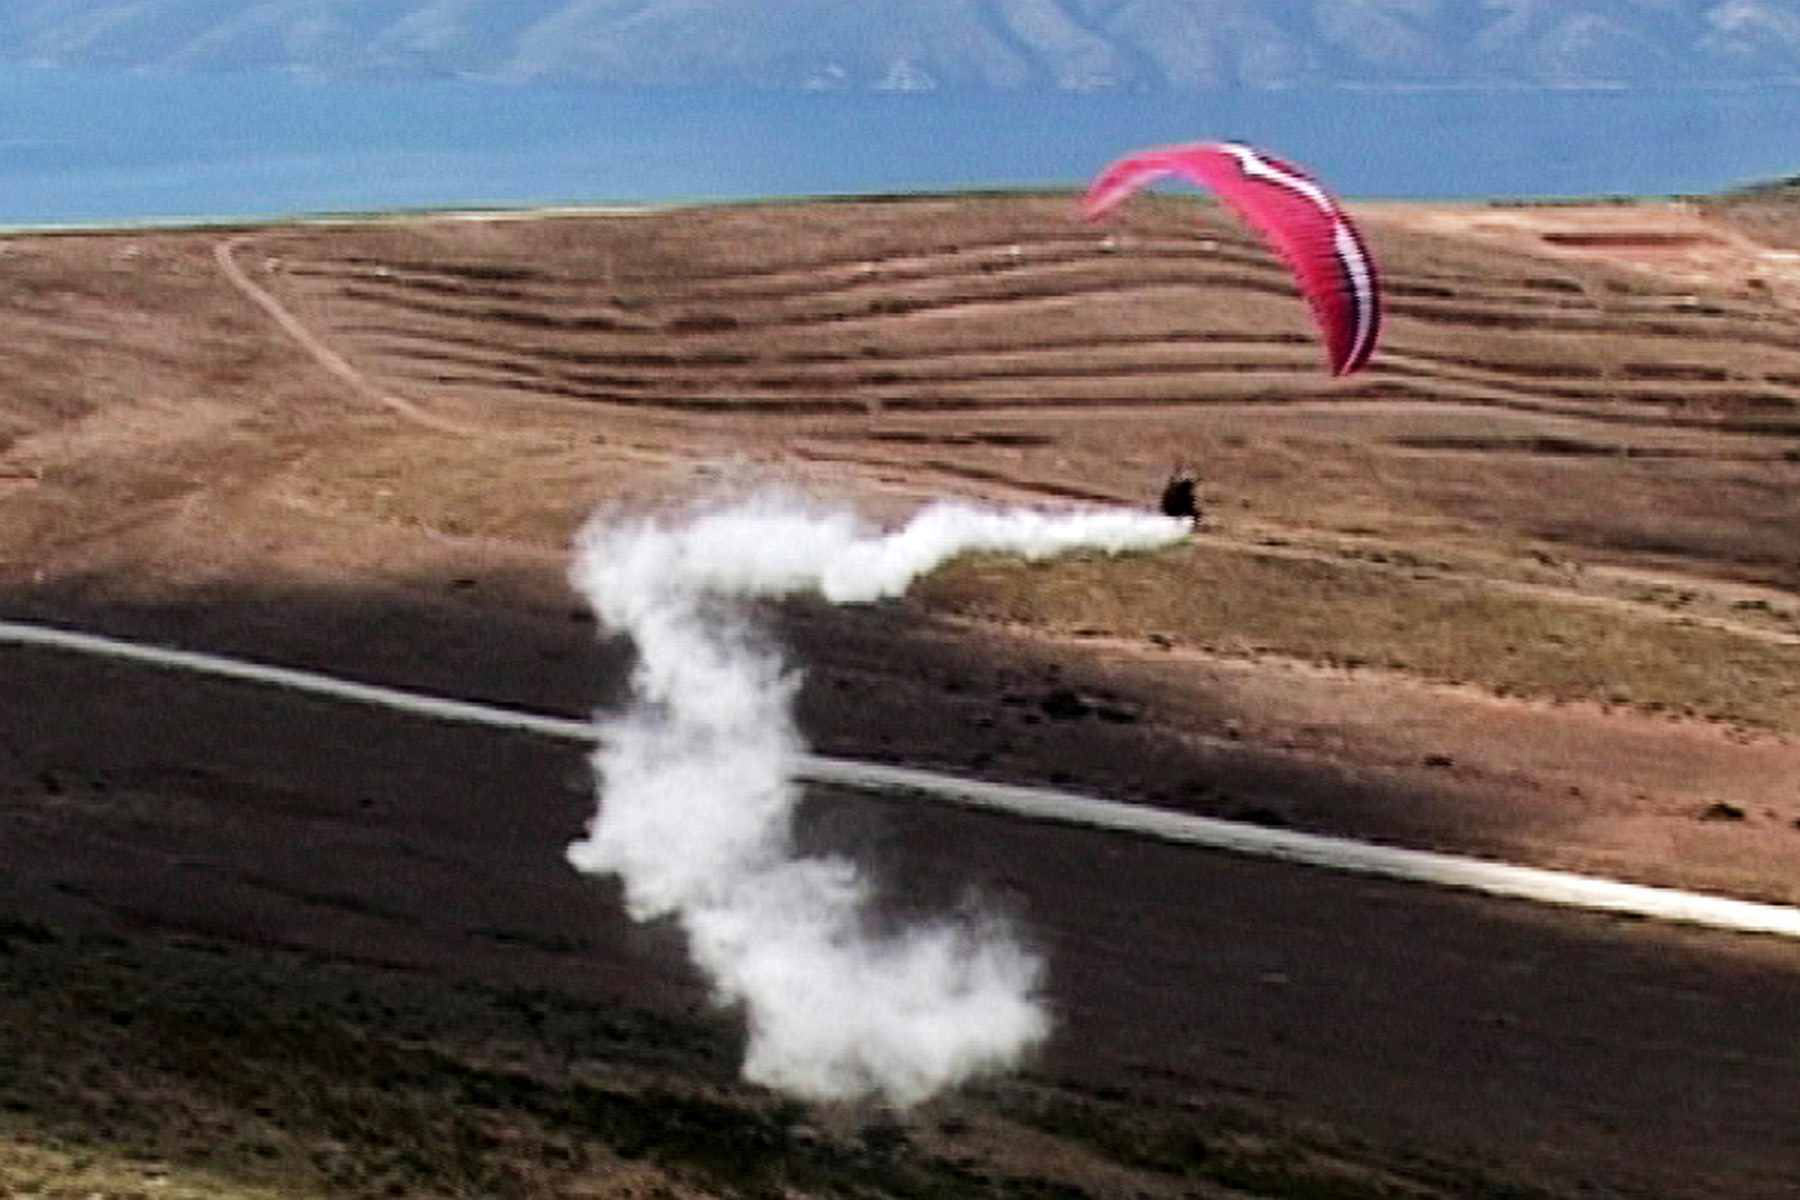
(903, 45)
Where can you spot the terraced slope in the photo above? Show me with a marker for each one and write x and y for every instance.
(997, 344)
(968, 306)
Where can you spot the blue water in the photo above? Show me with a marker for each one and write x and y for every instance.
(91, 146)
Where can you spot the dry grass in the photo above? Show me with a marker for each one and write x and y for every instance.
(1451, 629)
(32, 1166)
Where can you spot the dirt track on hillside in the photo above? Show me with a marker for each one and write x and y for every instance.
(365, 448)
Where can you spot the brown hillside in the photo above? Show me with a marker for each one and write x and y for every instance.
(1527, 588)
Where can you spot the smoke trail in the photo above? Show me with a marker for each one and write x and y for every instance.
(698, 793)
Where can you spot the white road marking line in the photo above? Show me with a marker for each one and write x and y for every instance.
(1036, 803)
(1322, 850)
(310, 683)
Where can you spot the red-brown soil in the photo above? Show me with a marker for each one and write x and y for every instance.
(365, 447)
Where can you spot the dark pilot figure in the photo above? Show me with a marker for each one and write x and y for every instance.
(1180, 498)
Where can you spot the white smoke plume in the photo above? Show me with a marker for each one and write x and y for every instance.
(698, 791)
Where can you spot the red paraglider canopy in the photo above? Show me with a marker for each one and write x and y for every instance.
(1327, 255)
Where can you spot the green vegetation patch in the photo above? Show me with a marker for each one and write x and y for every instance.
(1349, 614)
